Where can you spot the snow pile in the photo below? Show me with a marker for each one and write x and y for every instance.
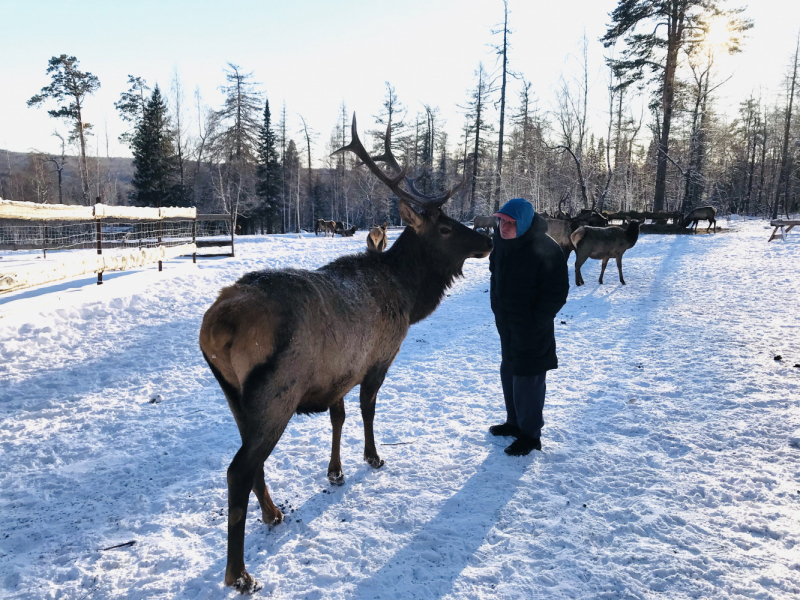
(665, 470)
(20, 275)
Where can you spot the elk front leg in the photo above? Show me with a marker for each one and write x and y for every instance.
(619, 267)
(335, 475)
(269, 512)
(369, 392)
(603, 270)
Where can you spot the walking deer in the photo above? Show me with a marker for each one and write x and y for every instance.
(376, 240)
(263, 344)
(705, 213)
(603, 243)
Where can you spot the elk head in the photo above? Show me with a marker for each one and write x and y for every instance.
(442, 239)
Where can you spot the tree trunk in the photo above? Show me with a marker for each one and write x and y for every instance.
(783, 176)
(673, 44)
(499, 173)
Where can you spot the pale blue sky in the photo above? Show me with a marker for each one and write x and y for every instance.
(315, 54)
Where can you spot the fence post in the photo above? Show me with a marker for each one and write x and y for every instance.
(99, 230)
(233, 228)
(194, 241)
(160, 221)
(44, 239)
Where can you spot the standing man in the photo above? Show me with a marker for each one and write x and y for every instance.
(529, 286)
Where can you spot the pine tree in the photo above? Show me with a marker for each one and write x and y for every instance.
(70, 87)
(268, 171)
(656, 51)
(153, 155)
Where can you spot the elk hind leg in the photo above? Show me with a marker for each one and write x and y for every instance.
(579, 260)
(369, 392)
(603, 270)
(269, 512)
(619, 268)
(335, 474)
(241, 477)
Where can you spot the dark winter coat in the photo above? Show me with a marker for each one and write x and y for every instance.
(529, 286)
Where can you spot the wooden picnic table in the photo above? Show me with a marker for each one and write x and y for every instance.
(780, 224)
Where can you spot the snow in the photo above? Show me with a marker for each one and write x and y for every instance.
(25, 270)
(669, 464)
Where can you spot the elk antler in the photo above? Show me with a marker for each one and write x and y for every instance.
(393, 183)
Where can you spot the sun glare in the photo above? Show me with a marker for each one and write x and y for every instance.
(718, 34)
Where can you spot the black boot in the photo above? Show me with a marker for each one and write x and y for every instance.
(506, 429)
(523, 445)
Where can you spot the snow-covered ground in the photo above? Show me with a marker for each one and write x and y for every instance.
(670, 465)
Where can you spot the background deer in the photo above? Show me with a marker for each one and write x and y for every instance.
(603, 243)
(347, 232)
(262, 341)
(376, 239)
(560, 230)
(484, 222)
(705, 213)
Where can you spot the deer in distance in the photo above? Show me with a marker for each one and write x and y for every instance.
(704, 213)
(262, 341)
(603, 243)
(347, 232)
(484, 222)
(376, 239)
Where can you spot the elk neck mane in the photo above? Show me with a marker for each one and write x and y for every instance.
(420, 273)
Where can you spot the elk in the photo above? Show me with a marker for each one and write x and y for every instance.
(705, 213)
(319, 225)
(560, 230)
(376, 240)
(603, 243)
(484, 222)
(347, 232)
(329, 226)
(262, 341)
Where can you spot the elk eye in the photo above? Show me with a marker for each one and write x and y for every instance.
(445, 230)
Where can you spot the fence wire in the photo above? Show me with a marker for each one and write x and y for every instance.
(116, 235)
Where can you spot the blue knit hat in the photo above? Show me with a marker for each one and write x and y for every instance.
(521, 211)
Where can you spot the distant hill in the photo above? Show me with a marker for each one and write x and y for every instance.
(27, 176)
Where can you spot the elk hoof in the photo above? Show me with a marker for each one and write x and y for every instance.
(275, 519)
(375, 462)
(336, 477)
(245, 584)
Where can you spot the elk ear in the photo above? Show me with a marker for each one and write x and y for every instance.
(410, 216)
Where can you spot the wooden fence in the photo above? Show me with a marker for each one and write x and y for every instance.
(124, 237)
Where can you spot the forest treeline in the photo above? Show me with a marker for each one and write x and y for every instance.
(675, 151)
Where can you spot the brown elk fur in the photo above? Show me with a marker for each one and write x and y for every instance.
(262, 341)
(603, 243)
(376, 240)
(329, 227)
(705, 213)
(484, 222)
(347, 232)
(560, 230)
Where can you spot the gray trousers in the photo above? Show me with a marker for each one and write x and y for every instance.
(524, 398)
